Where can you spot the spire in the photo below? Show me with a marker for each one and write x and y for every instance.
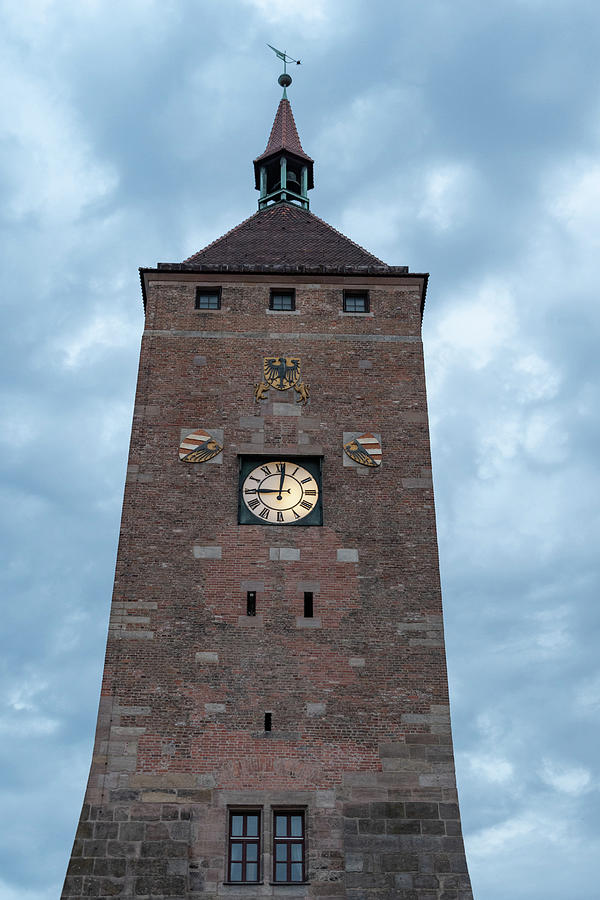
(283, 172)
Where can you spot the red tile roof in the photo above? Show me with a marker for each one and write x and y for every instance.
(284, 134)
(283, 234)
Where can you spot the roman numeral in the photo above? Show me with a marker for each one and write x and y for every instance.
(296, 516)
(295, 470)
(264, 513)
(306, 480)
(279, 467)
(279, 516)
(252, 478)
(266, 470)
(306, 505)
(310, 493)
(253, 503)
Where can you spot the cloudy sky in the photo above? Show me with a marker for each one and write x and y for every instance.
(460, 138)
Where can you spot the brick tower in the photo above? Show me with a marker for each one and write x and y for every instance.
(274, 716)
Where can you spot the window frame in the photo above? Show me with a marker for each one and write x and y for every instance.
(204, 289)
(245, 840)
(353, 295)
(276, 292)
(289, 841)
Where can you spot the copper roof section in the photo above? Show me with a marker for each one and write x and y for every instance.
(284, 134)
(283, 234)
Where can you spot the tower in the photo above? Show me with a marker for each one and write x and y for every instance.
(274, 714)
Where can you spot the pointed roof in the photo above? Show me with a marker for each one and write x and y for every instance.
(284, 134)
(284, 235)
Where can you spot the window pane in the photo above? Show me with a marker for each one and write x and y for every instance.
(281, 852)
(251, 872)
(236, 872)
(207, 300)
(252, 826)
(281, 826)
(251, 852)
(296, 871)
(296, 852)
(237, 826)
(282, 301)
(281, 872)
(236, 851)
(296, 829)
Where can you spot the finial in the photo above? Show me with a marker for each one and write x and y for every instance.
(284, 79)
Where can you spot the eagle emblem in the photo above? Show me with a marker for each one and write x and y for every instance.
(198, 447)
(281, 373)
(365, 450)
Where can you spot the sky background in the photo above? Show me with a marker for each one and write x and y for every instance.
(460, 138)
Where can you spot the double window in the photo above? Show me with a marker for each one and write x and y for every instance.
(288, 847)
(244, 846)
(356, 301)
(282, 301)
(208, 298)
(244, 858)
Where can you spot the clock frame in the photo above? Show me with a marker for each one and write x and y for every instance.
(265, 470)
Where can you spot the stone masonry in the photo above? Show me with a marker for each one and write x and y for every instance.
(358, 695)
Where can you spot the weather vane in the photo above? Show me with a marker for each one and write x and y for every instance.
(284, 79)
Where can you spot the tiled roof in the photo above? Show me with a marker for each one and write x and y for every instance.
(284, 134)
(283, 234)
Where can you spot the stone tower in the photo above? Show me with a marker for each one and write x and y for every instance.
(274, 716)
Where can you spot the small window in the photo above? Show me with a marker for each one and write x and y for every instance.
(268, 721)
(244, 846)
(251, 603)
(208, 298)
(356, 301)
(289, 847)
(308, 604)
(284, 301)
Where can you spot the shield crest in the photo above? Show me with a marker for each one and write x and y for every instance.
(198, 447)
(365, 450)
(281, 372)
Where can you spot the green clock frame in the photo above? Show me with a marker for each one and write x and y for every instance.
(313, 465)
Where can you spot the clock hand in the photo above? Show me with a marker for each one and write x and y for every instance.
(266, 491)
(281, 477)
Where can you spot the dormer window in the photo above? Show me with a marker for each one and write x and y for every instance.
(282, 301)
(208, 298)
(356, 301)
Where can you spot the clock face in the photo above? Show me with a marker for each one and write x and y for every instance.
(280, 492)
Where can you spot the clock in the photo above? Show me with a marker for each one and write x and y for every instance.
(275, 491)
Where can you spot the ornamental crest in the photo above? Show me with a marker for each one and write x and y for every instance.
(364, 449)
(198, 447)
(281, 373)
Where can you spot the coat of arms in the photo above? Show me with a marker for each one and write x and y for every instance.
(281, 373)
(198, 447)
(364, 449)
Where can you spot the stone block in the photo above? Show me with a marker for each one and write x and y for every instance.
(312, 622)
(207, 658)
(347, 554)
(210, 552)
(289, 554)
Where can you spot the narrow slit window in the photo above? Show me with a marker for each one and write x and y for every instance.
(268, 721)
(283, 301)
(251, 603)
(289, 847)
(243, 863)
(308, 604)
(356, 301)
(208, 298)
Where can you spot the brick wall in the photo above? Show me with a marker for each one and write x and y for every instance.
(360, 733)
